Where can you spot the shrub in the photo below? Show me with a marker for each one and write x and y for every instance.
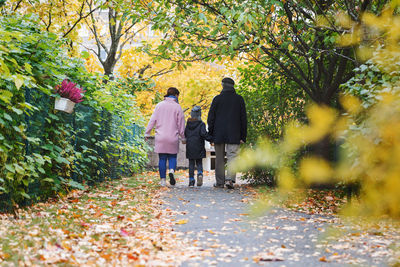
(44, 152)
(271, 102)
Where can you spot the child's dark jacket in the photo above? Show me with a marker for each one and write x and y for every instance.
(196, 133)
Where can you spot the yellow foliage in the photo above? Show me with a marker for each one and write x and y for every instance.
(265, 154)
(383, 31)
(351, 103)
(370, 136)
(377, 155)
(321, 119)
(351, 39)
(286, 180)
(93, 65)
(57, 16)
(315, 170)
(197, 83)
(343, 20)
(371, 157)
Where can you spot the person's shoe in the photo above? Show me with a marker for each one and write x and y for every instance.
(229, 185)
(218, 185)
(171, 178)
(199, 179)
(163, 182)
(191, 182)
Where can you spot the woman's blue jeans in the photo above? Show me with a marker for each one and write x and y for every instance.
(162, 163)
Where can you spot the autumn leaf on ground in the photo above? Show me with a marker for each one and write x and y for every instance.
(118, 223)
(183, 221)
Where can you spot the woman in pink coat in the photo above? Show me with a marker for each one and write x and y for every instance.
(169, 121)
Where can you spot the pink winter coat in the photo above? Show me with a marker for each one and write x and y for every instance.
(169, 121)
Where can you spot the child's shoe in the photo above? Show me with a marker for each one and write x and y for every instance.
(199, 179)
(191, 182)
(171, 177)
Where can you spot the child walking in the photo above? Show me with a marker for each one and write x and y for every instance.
(195, 134)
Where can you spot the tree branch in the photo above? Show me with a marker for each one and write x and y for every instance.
(49, 24)
(17, 5)
(160, 73)
(142, 70)
(93, 29)
(289, 73)
(81, 17)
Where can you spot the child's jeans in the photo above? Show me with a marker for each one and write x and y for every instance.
(198, 163)
(162, 163)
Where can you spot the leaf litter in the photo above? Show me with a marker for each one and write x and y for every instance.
(312, 219)
(123, 222)
(118, 223)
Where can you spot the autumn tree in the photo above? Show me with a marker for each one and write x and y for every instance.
(63, 18)
(287, 33)
(113, 27)
(197, 83)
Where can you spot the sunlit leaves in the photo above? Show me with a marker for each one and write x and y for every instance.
(60, 17)
(351, 103)
(315, 170)
(373, 32)
(321, 120)
(198, 82)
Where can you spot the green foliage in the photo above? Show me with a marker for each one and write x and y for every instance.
(370, 82)
(44, 151)
(271, 102)
(27, 55)
(283, 36)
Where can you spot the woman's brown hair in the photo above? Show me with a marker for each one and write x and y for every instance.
(172, 91)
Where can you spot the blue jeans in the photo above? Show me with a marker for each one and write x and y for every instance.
(162, 163)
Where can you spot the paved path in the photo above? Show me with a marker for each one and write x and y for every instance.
(217, 222)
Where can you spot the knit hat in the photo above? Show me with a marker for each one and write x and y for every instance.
(228, 81)
(196, 112)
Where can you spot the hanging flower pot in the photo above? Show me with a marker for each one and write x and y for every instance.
(70, 95)
(64, 104)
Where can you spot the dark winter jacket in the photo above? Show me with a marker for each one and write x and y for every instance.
(227, 119)
(195, 134)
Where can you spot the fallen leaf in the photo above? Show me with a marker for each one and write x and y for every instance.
(183, 221)
(269, 256)
(323, 259)
(84, 224)
(132, 256)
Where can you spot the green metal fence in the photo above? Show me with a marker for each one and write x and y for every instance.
(89, 129)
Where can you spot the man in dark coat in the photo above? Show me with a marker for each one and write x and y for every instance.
(227, 124)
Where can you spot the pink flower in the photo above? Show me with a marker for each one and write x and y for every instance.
(69, 90)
